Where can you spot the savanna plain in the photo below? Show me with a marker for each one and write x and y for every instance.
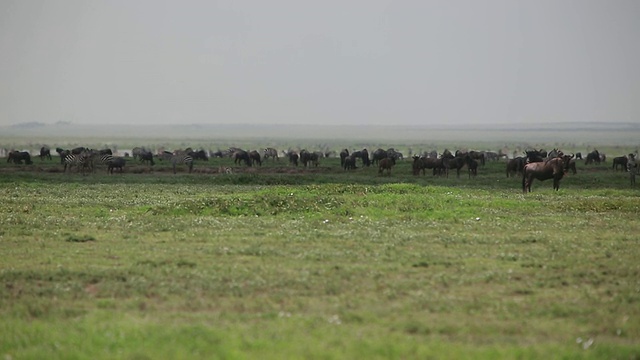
(282, 262)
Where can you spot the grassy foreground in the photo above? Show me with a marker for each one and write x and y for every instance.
(335, 265)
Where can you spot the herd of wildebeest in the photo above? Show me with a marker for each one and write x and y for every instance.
(532, 164)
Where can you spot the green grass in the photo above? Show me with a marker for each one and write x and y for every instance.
(317, 264)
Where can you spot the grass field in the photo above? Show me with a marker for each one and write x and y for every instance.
(319, 264)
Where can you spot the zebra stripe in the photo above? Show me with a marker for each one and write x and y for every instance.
(80, 161)
(182, 159)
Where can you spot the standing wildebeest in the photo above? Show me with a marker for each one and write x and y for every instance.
(455, 163)
(343, 155)
(17, 156)
(45, 152)
(418, 165)
(551, 169)
(472, 165)
(385, 164)
(515, 165)
(199, 155)
(593, 157)
(308, 158)
(255, 158)
(620, 160)
(293, 157)
(349, 163)
(146, 157)
(241, 155)
(117, 163)
(63, 153)
(363, 155)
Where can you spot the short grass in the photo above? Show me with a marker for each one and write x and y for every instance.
(317, 263)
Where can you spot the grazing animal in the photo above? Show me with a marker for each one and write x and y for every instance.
(455, 163)
(551, 169)
(182, 159)
(308, 158)
(620, 161)
(385, 164)
(472, 165)
(63, 153)
(81, 161)
(270, 153)
(241, 155)
(593, 157)
(45, 152)
(199, 155)
(116, 163)
(515, 165)
(255, 158)
(343, 155)
(349, 163)
(146, 157)
(18, 156)
(293, 157)
(418, 165)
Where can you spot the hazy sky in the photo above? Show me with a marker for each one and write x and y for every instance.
(334, 62)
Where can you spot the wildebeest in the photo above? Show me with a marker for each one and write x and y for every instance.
(363, 155)
(117, 163)
(255, 158)
(63, 153)
(18, 156)
(45, 152)
(592, 157)
(472, 165)
(240, 156)
(308, 158)
(550, 169)
(621, 161)
(199, 155)
(515, 165)
(455, 163)
(343, 155)
(293, 157)
(146, 157)
(349, 163)
(385, 164)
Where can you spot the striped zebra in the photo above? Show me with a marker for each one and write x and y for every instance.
(182, 159)
(98, 159)
(270, 153)
(81, 161)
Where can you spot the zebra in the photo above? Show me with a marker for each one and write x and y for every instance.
(81, 161)
(270, 153)
(105, 159)
(182, 159)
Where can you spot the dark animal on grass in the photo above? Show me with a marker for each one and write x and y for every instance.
(293, 157)
(78, 150)
(478, 156)
(255, 158)
(146, 157)
(551, 169)
(378, 155)
(116, 163)
(105, 152)
(199, 155)
(385, 165)
(472, 165)
(45, 153)
(17, 157)
(362, 155)
(515, 166)
(456, 163)
(308, 158)
(535, 156)
(241, 155)
(418, 165)
(62, 153)
(592, 157)
(578, 156)
(343, 155)
(620, 161)
(349, 163)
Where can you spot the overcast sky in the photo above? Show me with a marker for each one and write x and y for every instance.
(335, 62)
